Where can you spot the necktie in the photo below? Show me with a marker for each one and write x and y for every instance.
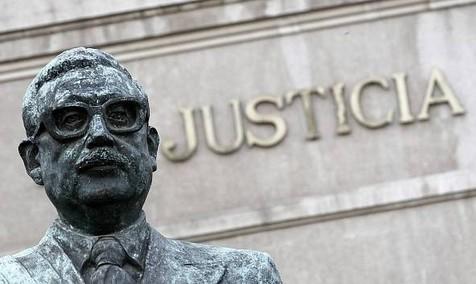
(109, 257)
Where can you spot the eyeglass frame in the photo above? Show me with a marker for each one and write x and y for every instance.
(47, 118)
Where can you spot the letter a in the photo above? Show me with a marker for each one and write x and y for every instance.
(447, 97)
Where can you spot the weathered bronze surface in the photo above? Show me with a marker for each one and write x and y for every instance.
(91, 147)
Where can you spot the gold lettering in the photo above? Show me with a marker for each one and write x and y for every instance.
(406, 116)
(306, 99)
(338, 94)
(277, 122)
(168, 146)
(356, 107)
(448, 97)
(207, 115)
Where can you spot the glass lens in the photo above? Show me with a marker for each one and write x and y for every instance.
(70, 120)
(122, 116)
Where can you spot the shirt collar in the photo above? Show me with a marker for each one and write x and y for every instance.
(77, 245)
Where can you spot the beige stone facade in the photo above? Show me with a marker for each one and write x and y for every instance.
(347, 152)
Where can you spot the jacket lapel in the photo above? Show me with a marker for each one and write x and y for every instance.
(47, 263)
(59, 261)
(168, 262)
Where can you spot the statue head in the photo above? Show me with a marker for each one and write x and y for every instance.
(89, 140)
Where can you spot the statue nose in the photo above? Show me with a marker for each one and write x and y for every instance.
(98, 134)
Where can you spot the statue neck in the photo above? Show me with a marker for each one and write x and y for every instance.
(101, 220)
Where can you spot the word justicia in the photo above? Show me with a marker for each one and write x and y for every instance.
(438, 92)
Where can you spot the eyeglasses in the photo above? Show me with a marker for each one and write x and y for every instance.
(123, 115)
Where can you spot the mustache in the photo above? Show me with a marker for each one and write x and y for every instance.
(101, 157)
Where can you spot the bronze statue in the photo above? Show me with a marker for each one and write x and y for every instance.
(91, 147)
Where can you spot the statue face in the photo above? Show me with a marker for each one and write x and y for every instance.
(93, 147)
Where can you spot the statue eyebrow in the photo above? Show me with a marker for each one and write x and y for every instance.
(94, 98)
(66, 98)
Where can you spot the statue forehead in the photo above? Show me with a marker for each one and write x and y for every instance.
(98, 83)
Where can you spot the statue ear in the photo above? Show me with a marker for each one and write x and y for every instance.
(29, 152)
(153, 141)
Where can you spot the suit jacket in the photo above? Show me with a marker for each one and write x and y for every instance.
(167, 261)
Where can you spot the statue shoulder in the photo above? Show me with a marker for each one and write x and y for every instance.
(248, 266)
(242, 266)
(43, 263)
(12, 270)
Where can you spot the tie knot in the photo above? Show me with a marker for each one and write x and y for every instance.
(107, 250)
